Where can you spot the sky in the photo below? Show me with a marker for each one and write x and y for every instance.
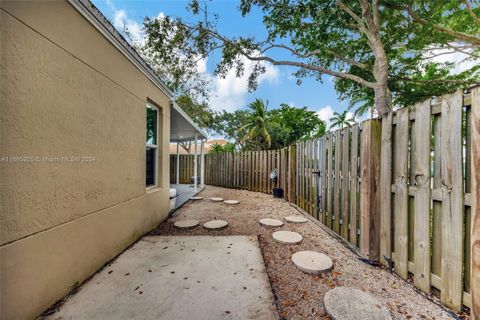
(277, 85)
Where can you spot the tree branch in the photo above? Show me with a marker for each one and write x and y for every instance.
(317, 52)
(303, 65)
(360, 24)
(376, 12)
(456, 34)
(472, 14)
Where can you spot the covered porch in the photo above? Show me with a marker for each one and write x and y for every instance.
(183, 130)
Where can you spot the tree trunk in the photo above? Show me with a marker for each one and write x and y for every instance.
(383, 100)
(383, 96)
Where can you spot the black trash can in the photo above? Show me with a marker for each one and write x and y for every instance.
(278, 192)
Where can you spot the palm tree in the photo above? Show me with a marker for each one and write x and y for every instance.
(256, 129)
(215, 149)
(341, 119)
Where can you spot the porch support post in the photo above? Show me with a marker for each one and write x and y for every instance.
(178, 165)
(195, 163)
(202, 164)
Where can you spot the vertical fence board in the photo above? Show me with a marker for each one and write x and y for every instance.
(345, 182)
(353, 185)
(311, 178)
(369, 193)
(437, 205)
(255, 164)
(475, 228)
(323, 177)
(291, 173)
(301, 173)
(265, 174)
(386, 189)
(421, 178)
(336, 186)
(297, 174)
(468, 210)
(306, 162)
(401, 194)
(330, 181)
(452, 206)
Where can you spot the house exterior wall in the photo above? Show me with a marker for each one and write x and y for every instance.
(66, 91)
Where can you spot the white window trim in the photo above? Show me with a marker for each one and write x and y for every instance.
(154, 146)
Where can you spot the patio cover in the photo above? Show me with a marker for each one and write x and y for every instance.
(182, 127)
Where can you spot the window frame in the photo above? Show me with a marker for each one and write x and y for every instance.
(153, 147)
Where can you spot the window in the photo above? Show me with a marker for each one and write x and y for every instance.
(152, 146)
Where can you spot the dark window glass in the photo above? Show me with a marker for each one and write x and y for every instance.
(151, 153)
(151, 126)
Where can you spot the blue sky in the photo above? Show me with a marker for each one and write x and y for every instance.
(277, 85)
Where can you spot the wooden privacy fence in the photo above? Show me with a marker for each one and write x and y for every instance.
(426, 195)
(397, 189)
(186, 166)
(340, 182)
(247, 170)
(401, 191)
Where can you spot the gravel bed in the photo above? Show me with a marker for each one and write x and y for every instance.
(299, 295)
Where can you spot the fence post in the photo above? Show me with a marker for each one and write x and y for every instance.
(386, 189)
(292, 159)
(370, 190)
(475, 235)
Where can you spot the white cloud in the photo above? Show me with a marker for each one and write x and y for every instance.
(122, 22)
(119, 19)
(325, 114)
(230, 93)
(111, 5)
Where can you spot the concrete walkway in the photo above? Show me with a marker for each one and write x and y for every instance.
(178, 277)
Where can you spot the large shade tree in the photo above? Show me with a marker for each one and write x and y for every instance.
(376, 49)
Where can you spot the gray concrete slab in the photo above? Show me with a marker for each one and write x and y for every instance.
(184, 193)
(182, 278)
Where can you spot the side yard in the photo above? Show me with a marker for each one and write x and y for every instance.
(299, 295)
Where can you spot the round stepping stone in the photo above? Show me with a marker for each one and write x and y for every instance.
(350, 303)
(269, 222)
(186, 224)
(296, 219)
(287, 237)
(215, 224)
(231, 201)
(216, 199)
(312, 262)
(196, 198)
